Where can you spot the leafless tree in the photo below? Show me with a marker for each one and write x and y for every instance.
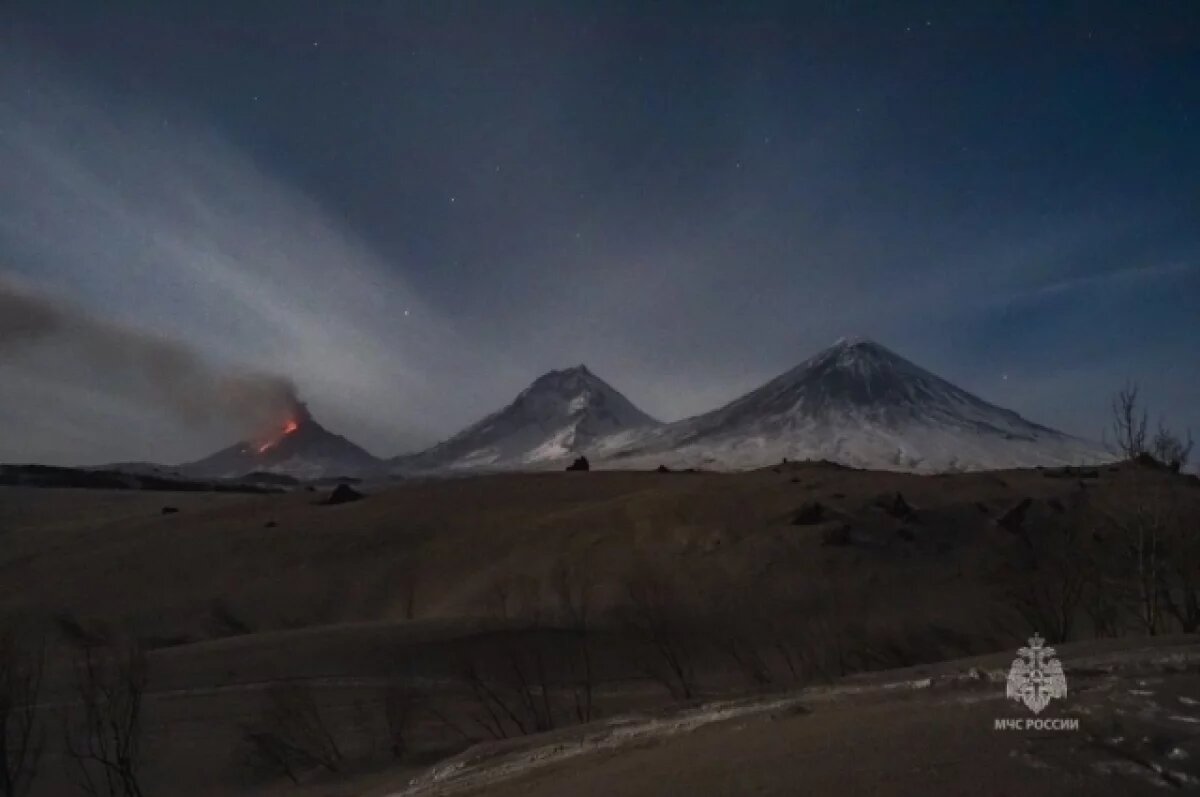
(745, 649)
(1053, 571)
(656, 615)
(739, 627)
(269, 751)
(1129, 421)
(509, 683)
(1180, 572)
(534, 678)
(105, 739)
(493, 713)
(1102, 601)
(22, 735)
(293, 736)
(1138, 527)
(1181, 590)
(1171, 449)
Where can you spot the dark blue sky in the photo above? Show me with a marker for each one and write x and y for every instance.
(689, 197)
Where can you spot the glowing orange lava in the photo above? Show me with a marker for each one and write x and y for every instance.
(288, 428)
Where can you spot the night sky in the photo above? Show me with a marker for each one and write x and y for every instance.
(413, 209)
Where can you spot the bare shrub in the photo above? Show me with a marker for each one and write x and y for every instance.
(1139, 529)
(22, 734)
(1159, 570)
(293, 736)
(1128, 423)
(832, 629)
(494, 713)
(740, 629)
(104, 739)
(793, 624)
(1131, 436)
(510, 684)
(657, 617)
(745, 649)
(1102, 598)
(1171, 449)
(1181, 575)
(1054, 570)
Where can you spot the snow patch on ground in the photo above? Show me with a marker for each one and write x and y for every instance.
(478, 767)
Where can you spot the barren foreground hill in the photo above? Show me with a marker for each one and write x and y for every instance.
(430, 617)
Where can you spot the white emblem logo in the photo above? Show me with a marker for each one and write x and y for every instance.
(1036, 677)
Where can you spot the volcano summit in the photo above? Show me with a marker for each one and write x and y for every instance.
(562, 414)
(301, 447)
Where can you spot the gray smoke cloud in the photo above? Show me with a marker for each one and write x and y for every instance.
(143, 366)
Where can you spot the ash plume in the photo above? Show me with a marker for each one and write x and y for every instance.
(142, 364)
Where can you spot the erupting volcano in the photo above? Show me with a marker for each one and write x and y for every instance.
(289, 427)
(298, 446)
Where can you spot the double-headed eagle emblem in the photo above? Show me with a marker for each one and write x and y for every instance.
(1036, 676)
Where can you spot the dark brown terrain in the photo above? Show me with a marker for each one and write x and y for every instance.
(513, 621)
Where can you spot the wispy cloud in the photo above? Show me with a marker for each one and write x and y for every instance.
(1141, 275)
(133, 218)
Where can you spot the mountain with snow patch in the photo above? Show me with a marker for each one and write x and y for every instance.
(561, 415)
(859, 404)
(301, 447)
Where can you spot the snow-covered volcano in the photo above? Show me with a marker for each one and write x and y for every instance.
(562, 414)
(862, 405)
(301, 447)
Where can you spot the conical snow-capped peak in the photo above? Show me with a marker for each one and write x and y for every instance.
(858, 373)
(560, 414)
(861, 404)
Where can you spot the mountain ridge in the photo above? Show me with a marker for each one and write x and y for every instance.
(856, 403)
(559, 415)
